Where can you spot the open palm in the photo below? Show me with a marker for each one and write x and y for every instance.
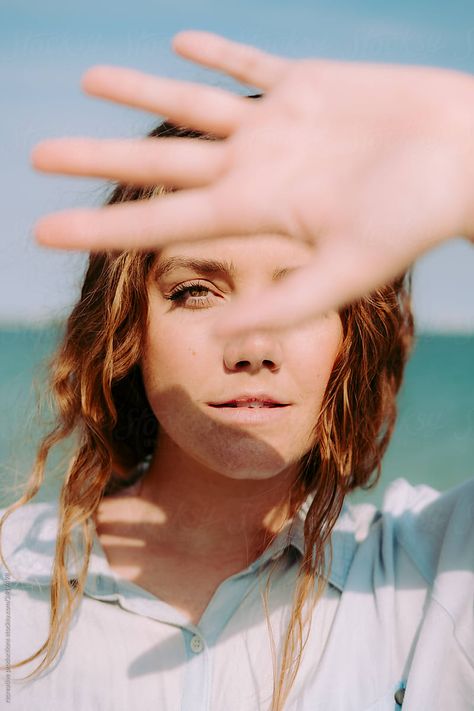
(365, 162)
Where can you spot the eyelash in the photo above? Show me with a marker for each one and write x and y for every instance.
(179, 293)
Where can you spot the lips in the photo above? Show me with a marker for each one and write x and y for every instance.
(250, 401)
(255, 403)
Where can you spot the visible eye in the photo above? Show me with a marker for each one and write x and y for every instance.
(195, 301)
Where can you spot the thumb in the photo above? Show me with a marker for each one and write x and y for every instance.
(335, 277)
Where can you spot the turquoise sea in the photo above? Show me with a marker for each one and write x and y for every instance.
(433, 442)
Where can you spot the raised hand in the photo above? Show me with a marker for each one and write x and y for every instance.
(371, 164)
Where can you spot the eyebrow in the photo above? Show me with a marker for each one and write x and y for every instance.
(208, 267)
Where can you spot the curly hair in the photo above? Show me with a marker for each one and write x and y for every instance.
(99, 396)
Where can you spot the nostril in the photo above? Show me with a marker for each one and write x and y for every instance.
(255, 365)
(243, 363)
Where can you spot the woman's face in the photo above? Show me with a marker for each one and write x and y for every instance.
(185, 368)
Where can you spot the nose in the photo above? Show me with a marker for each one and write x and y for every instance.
(252, 352)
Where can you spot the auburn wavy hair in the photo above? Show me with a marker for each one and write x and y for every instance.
(99, 397)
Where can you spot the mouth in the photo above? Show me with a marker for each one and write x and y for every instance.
(252, 410)
(250, 405)
(251, 401)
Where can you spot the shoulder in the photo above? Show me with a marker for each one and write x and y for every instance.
(421, 542)
(434, 528)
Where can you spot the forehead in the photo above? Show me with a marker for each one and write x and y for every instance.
(238, 255)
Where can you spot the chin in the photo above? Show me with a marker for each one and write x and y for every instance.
(235, 453)
(250, 474)
(251, 464)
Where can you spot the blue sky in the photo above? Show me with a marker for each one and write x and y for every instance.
(46, 47)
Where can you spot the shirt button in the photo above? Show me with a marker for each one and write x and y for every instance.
(399, 696)
(197, 645)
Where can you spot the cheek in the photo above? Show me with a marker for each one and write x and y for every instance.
(173, 356)
(317, 347)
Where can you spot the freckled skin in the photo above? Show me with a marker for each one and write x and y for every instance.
(184, 367)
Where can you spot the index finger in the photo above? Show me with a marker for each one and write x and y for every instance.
(337, 275)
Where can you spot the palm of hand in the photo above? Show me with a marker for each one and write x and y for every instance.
(352, 158)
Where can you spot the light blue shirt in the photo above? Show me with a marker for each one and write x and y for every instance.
(397, 614)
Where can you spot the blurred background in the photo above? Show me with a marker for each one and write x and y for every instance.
(44, 50)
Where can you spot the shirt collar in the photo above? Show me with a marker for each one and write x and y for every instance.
(344, 542)
(29, 540)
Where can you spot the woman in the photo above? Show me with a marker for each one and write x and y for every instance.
(202, 516)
